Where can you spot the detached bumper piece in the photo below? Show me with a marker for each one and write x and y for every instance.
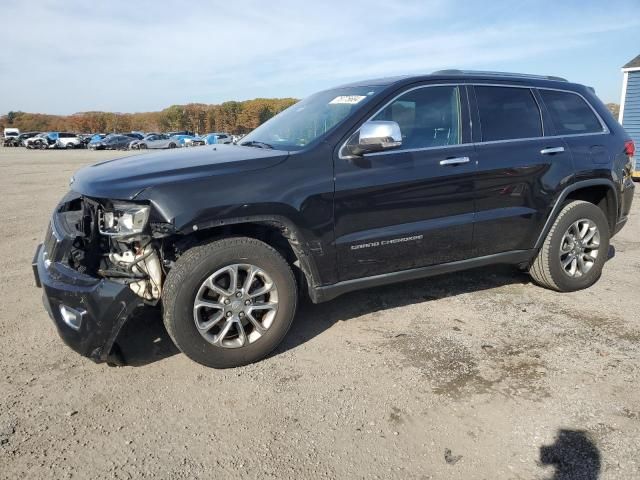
(87, 311)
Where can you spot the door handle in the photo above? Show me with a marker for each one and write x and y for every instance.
(454, 161)
(552, 150)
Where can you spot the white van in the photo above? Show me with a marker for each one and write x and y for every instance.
(11, 132)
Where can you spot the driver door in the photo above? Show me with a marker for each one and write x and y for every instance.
(411, 206)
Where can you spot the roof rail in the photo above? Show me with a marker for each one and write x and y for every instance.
(502, 74)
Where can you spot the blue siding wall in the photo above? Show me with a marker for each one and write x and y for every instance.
(631, 116)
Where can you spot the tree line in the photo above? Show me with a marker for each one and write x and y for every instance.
(231, 117)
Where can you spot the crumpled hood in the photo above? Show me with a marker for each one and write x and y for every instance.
(124, 178)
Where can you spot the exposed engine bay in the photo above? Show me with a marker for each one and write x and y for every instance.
(109, 240)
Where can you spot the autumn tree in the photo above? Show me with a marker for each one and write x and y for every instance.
(231, 117)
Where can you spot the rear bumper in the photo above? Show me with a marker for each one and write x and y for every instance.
(626, 200)
(100, 307)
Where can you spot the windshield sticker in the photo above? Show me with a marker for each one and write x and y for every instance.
(347, 99)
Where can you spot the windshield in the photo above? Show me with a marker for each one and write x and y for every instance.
(309, 119)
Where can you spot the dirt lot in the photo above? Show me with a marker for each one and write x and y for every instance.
(472, 375)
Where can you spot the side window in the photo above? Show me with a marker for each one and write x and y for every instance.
(428, 117)
(508, 113)
(570, 113)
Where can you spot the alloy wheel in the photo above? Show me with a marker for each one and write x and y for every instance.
(579, 248)
(235, 306)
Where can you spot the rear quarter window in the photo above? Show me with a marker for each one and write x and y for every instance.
(508, 113)
(570, 113)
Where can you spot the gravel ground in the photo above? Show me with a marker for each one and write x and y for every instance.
(473, 375)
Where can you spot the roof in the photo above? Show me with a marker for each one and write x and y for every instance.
(540, 80)
(635, 63)
(448, 74)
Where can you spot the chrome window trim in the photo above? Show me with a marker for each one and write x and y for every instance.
(605, 129)
(409, 150)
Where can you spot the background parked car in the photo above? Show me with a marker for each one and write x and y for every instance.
(224, 138)
(181, 132)
(84, 139)
(135, 135)
(97, 137)
(184, 140)
(112, 142)
(26, 135)
(212, 139)
(158, 141)
(42, 140)
(11, 142)
(10, 135)
(68, 140)
(206, 139)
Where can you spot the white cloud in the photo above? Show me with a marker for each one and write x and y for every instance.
(65, 56)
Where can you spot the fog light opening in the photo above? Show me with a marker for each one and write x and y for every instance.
(71, 316)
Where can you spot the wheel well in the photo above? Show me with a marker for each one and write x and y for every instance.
(599, 195)
(273, 234)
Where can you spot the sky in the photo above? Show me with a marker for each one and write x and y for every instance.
(66, 56)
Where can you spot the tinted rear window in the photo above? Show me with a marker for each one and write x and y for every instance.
(508, 113)
(570, 113)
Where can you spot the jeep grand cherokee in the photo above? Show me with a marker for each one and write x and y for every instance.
(362, 185)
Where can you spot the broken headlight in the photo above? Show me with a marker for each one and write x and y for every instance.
(123, 219)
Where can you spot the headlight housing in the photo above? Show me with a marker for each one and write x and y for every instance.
(123, 219)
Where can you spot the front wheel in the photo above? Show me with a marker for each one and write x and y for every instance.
(575, 249)
(229, 302)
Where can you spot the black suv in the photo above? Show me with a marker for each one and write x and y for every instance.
(361, 185)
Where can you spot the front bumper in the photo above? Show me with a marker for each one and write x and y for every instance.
(102, 306)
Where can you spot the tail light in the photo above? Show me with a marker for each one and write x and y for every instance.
(629, 148)
(630, 151)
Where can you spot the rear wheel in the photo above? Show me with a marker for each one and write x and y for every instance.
(229, 302)
(142, 146)
(172, 145)
(69, 145)
(575, 249)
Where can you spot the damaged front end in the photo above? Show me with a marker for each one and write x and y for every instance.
(101, 260)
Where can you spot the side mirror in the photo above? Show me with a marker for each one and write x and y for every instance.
(377, 136)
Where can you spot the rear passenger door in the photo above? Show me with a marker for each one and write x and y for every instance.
(580, 127)
(519, 168)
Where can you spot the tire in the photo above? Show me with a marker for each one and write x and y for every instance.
(142, 146)
(70, 146)
(186, 280)
(172, 145)
(547, 269)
